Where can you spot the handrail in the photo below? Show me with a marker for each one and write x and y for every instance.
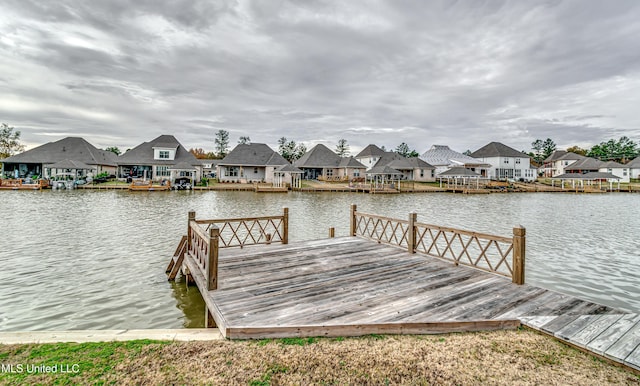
(203, 243)
(478, 250)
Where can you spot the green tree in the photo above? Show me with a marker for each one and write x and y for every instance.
(621, 150)
(114, 150)
(548, 147)
(342, 149)
(542, 149)
(221, 143)
(9, 141)
(289, 150)
(577, 150)
(244, 140)
(403, 150)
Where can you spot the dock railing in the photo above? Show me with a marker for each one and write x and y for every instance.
(497, 254)
(206, 237)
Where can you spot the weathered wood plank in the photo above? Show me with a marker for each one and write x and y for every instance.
(536, 322)
(271, 331)
(633, 359)
(558, 323)
(352, 286)
(566, 332)
(625, 345)
(592, 330)
(611, 335)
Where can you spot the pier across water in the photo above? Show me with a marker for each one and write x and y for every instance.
(389, 276)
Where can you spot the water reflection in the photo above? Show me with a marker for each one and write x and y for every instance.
(85, 259)
(189, 301)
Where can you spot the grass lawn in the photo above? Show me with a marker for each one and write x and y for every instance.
(520, 357)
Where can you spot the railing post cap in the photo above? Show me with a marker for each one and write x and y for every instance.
(519, 231)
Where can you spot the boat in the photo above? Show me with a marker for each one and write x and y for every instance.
(23, 184)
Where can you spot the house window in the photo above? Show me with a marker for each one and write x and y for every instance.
(433, 173)
(506, 160)
(421, 172)
(517, 161)
(329, 172)
(163, 154)
(518, 172)
(609, 170)
(232, 172)
(356, 173)
(163, 171)
(255, 170)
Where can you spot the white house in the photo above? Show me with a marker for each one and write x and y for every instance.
(369, 156)
(555, 164)
(412, 169)
(506, 162)
(634, 168)
(162, 158)
(617, 170)
(250, 162)
(443, 158)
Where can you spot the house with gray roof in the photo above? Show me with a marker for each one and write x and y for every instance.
(617, 169)
(163, 158)
(505, 162)
(634, 168)
(369, 155)
(443, 159)
(250, 162)
(555, 164)
(412, 169)
(72, 150)
(323, 164)
(583, 166)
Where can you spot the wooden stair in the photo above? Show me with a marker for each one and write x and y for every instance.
(176, 261)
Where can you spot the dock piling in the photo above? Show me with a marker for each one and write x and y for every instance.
(519, 242)
(212, 263)
(285, 226)
(411, 232)
(352, 220)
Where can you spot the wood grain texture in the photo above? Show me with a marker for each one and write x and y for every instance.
(352, 286)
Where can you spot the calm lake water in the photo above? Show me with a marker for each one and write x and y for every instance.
(96, 259)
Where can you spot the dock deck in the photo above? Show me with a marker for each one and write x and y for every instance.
(353, 286)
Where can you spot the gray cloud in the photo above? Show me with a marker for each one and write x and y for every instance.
(456, 73)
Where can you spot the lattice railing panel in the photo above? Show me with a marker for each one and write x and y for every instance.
(490, 253)
(238, 233)
(382, 229)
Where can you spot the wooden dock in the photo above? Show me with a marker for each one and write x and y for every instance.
(353, 286)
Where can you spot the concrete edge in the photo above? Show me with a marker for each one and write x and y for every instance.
(83, 336)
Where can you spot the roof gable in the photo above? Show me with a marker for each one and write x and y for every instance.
(253, 154)
(370, 151)
(635, 163)
(586, 163)
(440, 155)
(319, 156)
(70, 148)
(497, 149)
(143, 154)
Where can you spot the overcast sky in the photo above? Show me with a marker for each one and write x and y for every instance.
(462, 74)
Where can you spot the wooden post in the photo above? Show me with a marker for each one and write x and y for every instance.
(332, 232)
(285, 226)
(192, 217)
(411, 232)
(519, 241)
(209, 322)
(212, 263)
(352, 221)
